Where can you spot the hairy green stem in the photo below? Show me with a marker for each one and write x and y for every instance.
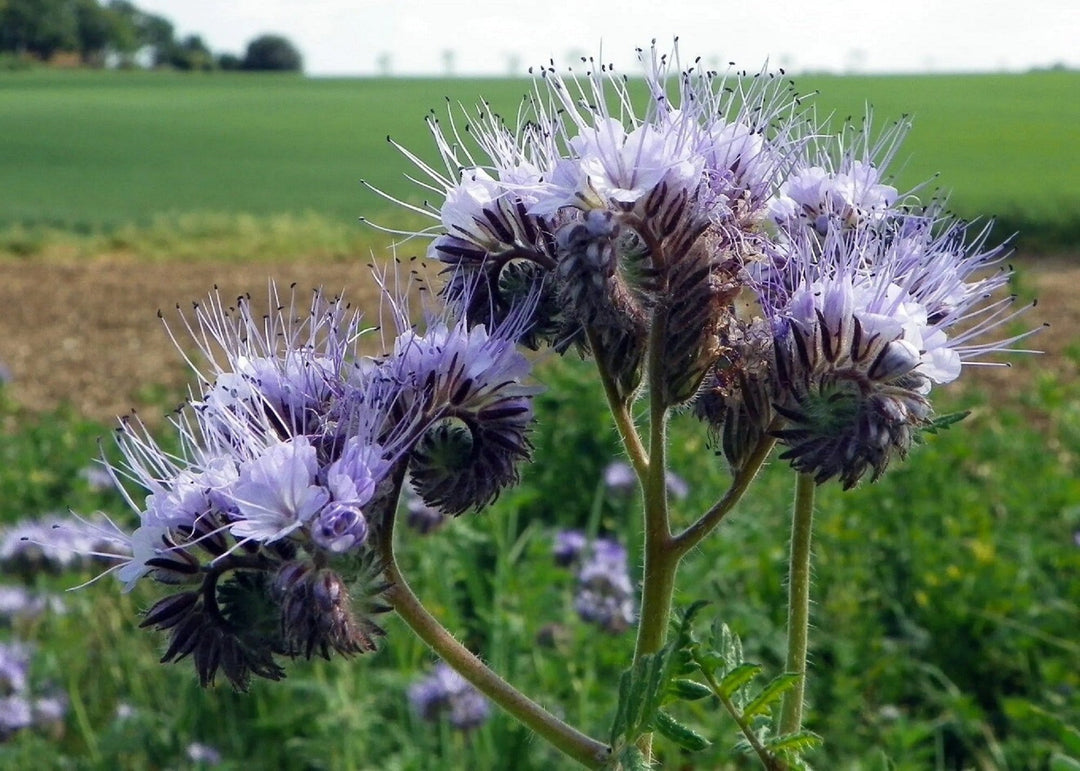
(802, 525)
(565, 738)
(693, 535)
(620, 412)
(661, 561)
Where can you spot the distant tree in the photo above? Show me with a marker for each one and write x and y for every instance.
(38, 27)
(189, 54)
(157, 34)
(126, 35)
(100, 29)
(272, 52)
(229, 62)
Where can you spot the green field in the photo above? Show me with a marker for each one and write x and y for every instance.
(90, 151)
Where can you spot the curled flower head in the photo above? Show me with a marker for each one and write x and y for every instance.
(468, 383)
(865, 323)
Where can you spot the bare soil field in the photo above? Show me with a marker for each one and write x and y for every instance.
(87, 335)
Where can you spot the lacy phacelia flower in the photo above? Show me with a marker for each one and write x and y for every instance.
(630, 223)
(19, 604)
(568, 546)
(865, 323)
(202, 754)
(291, 458)
(419, 516)
(620, 479)
(445, 693)
(840, 185)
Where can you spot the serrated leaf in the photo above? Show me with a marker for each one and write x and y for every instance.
(688, 690)
(761, 703)
(737, 678)
(799, 741)
(684, 736)
(728, 645)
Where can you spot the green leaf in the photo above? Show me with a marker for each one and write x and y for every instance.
(774, 690)
(799, 741)
(620, 723)
(685, 737)
(737, 678)
(943, 422)
(1059, 762)
(1070, 739)
(688, 690)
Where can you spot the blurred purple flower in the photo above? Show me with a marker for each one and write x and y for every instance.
(444, 692)
(620, 479)
(16, 714)
(203, 754)
(14, 668)
(97, 477)
(18, 603)
(568, 547)
(605, 593)
(419, 516)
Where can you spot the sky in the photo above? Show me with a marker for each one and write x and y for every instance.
(500, 37)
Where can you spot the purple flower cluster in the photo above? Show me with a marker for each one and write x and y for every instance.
(604, 593)
(292, 457)
(637, 229)
(20, 604)
(445, 693)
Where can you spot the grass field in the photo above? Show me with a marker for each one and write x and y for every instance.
(94, 152)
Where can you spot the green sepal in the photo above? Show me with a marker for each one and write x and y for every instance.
(630, 758)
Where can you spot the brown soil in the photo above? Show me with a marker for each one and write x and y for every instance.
(87, 334)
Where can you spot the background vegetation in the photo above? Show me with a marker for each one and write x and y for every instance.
(947, 599)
